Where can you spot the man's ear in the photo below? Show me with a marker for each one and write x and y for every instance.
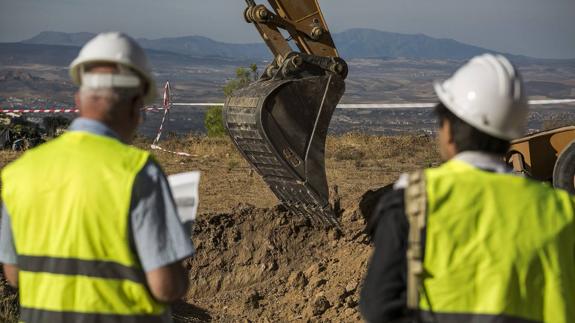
(137, 106)
(77, 100)
(137, 103)
(447, 125)
(451, 145)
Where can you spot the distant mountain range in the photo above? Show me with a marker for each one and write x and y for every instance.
(353, 43)
(58, 48)
(364, 43)
(383, 66)
(12, 54)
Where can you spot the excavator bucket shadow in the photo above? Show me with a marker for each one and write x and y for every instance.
(280, 127)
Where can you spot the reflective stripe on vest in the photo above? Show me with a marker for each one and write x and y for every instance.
(35, 315)
(69, 202)
(415, 199)
(499, 248)
(471, 318)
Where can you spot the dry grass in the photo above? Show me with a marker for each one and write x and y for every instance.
(9, 307)
(8, 303)
(558, 120)
(354, 162)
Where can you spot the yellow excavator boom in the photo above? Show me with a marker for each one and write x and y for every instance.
(279, 123)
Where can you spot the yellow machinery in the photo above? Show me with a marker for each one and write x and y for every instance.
(546, 156)
(279, 123)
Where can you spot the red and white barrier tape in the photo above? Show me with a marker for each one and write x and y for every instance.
(179, 153)
(551, 101)
(197, 104)
(340, 106)
(161, 128)
(167, 106)
(431, 105)
(63, 110)
(387, 105)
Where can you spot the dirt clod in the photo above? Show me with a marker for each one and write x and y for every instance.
(253, 300)
(316, 282)
(314, 269)
(320, 305)
(297, 280)
(351, 287)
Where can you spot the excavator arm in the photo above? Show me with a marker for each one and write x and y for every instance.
(303, 21)
(279, 123)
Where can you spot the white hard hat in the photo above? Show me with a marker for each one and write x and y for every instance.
(118, 48)
(487, 93)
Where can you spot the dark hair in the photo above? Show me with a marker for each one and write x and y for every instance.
(466, 137)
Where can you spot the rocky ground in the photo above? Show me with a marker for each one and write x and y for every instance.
(255, 261)
(266, 264)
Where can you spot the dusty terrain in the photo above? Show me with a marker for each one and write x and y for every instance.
(397, 80)
(255, 262)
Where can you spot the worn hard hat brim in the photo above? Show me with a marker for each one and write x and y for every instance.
(75, 73)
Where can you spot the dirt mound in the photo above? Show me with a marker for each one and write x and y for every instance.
(269, 265)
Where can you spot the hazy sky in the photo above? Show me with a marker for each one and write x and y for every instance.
(538, 28)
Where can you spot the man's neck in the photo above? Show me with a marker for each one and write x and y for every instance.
(119, 128)
(95, 127)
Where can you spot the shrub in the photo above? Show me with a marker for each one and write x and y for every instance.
(214, 122)
(558, 120)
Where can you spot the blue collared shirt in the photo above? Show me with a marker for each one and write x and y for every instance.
(157, 236)
(93, 127)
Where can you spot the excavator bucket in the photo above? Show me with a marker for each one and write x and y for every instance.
(280, 122)
(280, 127)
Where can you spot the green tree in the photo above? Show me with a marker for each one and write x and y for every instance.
(214, 120)
(242, 79)
(254, 70)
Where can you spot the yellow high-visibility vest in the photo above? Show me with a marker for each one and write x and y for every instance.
(497, 245)
(69, 203)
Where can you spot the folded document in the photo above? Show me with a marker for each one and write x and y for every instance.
(185, 189)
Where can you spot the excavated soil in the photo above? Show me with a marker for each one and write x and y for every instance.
(257, 262)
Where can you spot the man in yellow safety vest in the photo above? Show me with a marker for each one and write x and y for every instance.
(469, 241)
(90, 231)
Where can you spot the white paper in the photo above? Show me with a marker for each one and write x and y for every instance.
(185, 189)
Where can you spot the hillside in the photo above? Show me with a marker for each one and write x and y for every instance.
(353, 43)
(362, 43)
(37, 70)
(60, 38)
(199, 67)
(12, 54)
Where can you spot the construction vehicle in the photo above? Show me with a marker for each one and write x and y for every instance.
(279, 123)
(546, 156)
